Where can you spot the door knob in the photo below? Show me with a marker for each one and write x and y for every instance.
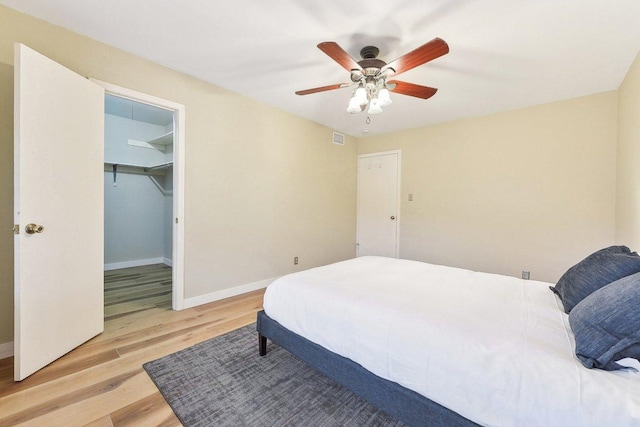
(393, 217)
(33, 228)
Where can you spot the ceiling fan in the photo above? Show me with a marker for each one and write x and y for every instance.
(371, 74)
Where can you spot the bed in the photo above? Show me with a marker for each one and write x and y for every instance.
(435, 345)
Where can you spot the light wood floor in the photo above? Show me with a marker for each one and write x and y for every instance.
(102, 382)
(129, 290)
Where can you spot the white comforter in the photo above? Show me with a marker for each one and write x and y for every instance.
(496, 349)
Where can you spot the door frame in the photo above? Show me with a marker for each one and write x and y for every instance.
(398, 153)
(177, 271)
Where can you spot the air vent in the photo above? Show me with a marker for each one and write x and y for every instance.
(338, 138)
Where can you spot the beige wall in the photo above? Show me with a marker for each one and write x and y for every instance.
(628, 190)
(531, 189)
(262, 186)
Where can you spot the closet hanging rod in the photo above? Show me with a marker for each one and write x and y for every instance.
(129, 165)
(162, 166)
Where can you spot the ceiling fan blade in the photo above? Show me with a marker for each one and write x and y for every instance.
(411, 89)
(322, 89)
(339, 55)
(425, 53)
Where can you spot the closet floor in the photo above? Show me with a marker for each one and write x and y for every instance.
(134, 289)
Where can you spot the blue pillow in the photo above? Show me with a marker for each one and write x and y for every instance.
(595, 271)
(606, 324)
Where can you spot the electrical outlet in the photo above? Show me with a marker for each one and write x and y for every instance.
(295, 261)
(526, 274)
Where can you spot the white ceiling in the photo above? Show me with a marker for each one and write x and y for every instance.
(504, 54)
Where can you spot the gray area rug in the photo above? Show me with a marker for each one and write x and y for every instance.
(224, 382)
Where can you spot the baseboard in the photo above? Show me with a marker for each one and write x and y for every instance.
(6, 350)
(134, 263)
(167, 261)
(226, 293)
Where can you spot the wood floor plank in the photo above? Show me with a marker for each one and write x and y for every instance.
(136, 289)
(101, 422)
(198, 327)
(121, 310)
(152, 410)
(133, 293)
(65, 401)
(102, 383)
(60, 368)
(60, 402)
(161, 319)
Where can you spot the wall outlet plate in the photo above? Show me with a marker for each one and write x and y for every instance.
(526, 275)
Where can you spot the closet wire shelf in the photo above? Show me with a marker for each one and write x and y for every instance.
(133, 167)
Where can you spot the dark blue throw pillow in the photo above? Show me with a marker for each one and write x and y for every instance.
(595, 271)
(606, 324)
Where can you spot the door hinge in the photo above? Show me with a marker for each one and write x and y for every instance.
(16, 228)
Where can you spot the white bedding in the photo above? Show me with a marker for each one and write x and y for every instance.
(496, 349)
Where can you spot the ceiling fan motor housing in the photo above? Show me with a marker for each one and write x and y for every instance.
(369, 52)
(370, 64)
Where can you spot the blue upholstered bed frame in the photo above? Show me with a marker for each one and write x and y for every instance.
(397, 401)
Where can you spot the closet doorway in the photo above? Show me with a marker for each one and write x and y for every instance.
(142, 202)
(60, 133)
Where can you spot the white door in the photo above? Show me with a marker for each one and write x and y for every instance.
(378, 190)
(59, 132)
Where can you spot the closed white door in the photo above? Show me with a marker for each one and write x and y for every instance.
(59, 131)
(378, 190)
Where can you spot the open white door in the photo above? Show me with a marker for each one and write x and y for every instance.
(59, 132)
(377, 205)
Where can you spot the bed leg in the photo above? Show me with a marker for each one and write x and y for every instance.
(262, 345)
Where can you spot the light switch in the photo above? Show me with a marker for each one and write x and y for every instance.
(411, 197)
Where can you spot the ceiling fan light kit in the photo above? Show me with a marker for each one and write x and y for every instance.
(374, 93)
(374, 106)
(361, 96)
(354, 105)
(370, 75)
(383, 97)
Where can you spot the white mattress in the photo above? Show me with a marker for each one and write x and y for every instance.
(496, 349)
